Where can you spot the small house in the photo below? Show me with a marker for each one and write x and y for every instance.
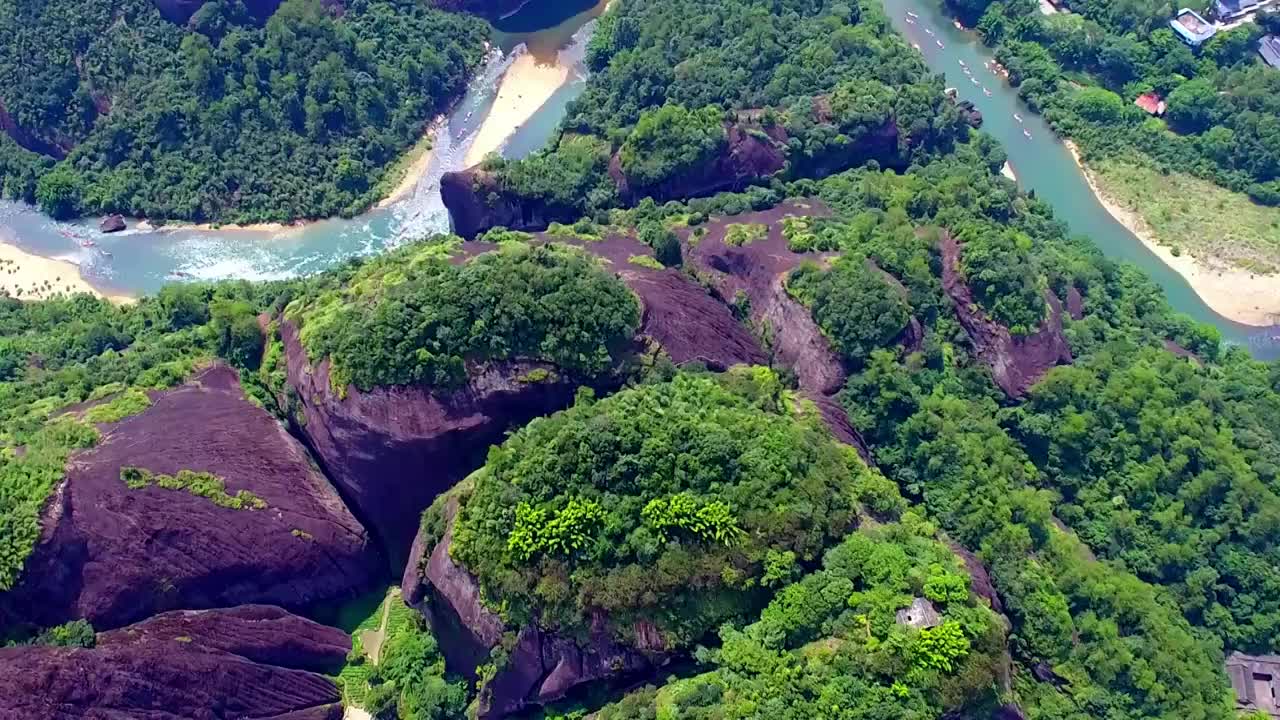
(1231, 10)
(1254, 679)
(1192, 28)
(1269, 49)
(1152, 103)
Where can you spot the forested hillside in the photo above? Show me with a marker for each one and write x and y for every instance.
(226, 119)
(986, 472)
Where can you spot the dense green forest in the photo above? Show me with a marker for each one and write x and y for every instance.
(829, 646)
(1084, 69)
(225, 120)
(668, 80)
(411, 317)
(586, 511)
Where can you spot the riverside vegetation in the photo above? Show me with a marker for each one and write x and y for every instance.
(228, 119)
(1083, 70)
(1125, 504)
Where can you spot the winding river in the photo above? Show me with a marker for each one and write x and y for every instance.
(1043, 164)
(142, 261)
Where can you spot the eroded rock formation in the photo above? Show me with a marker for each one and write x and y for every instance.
(1016, 362)
(114, 555)
(477, 200)
(542, 667)
(392, 450)
(757, 270)
(246, 662)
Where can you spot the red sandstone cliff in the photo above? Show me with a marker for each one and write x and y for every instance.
(114, 555)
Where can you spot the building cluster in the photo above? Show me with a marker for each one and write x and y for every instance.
(1195, 29)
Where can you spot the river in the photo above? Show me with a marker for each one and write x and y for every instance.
(1043, 163)
(141, 261)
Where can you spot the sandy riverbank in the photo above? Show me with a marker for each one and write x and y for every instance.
(32, 277)
(1237, 294)
(1007, 171)
(412, 166)
(526, 86)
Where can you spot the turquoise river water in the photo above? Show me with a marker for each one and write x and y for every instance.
(141, 261)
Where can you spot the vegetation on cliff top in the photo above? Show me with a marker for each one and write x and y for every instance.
(224, 120)
(667, 75)
(414, 317)
(678, 503)
(829, 644)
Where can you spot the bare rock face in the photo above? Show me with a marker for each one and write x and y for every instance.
(757, 270)
(32, 140)
(1016, 362)
(682, 317)
(542, 667)
(477, 201)
(113, 555)
(749, 154)
(393, 450)
(112, 224)
(248, 662)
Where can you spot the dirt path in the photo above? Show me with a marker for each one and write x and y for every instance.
(372, 640)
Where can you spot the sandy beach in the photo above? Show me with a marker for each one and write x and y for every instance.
(32, 277)
(412, 166)
(1007, 171)
(525, 87)
(1231, 292)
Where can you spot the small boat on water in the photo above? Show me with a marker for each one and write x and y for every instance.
(967, 71)
(910, 21)
(986, 92)
(85, 242)
(928, 31)
(974, 81)
(1027, 134)
(963, 63)
(912, 15)
(1017, 117)
(940, 44)
(915, 45)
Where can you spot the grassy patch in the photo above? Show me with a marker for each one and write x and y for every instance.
(645, 261)
(200, 484)
(1195, 216)
(584, 229)
(128, 403)
(739, 234)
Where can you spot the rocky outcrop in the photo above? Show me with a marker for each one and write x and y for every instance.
(247, 662)
(682, 317)
(758, 270)
(112, 224)
(30, 140)
(113, 555)
(751, 152)
(1016, 362)
(477, 202)
(477, 199)
(392, 450)
(542, 666)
